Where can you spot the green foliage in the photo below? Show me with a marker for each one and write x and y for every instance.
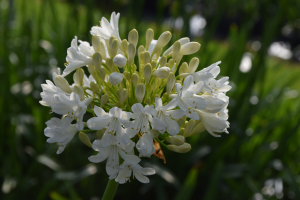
(263, 143)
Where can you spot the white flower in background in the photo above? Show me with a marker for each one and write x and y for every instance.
(165, 113)
(111, 153)
(113, 121)
(186, 98)
(57, 134)
(78, 56)
(108, 29)
(72, 108)
(127, 169)
(145, 145)
(142, 117)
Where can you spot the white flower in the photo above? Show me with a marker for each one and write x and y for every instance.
(114, 120)
(186, 98)
(115, 78)
(165, 113)
(78, 56)
(72, 108)
(126, 169)
(162, 72)
(142, 118)
(120, 60)
(208, 75)
(145, 145)
(56, 133)
(108, 29)
(111, 153)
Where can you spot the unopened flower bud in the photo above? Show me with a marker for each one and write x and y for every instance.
(78, 76)
(163, 39)
(92, 70)
(153, 64)
(127, 75)
(184, 148)
(163, 61)
(97, 59)
(102, 73)
(119, 93)
(114, 48)
(176, 49)
(148, 101)
(170, 82)
(63, 84)
(100, 133)
(115, 78)
(79, 91)
(109, 62)
(147, 72)
(84, 138)
(135, 79)
(130, 53)
(189, 48)
(154, 133)
(120, 60)
(124, 96)
(198, 129)
(162, 72)
(133, 37)
(189, 127)
(146, 57)
(94, 87)
(124, 46)
(176, 140)
(193, 65)
(149, 37)
(103, 50)
(182, 42)
(104, 100)
(140, 92)
(141, 49)
(181, 132)
(183, 68)
(96, 43)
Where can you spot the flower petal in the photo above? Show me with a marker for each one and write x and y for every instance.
(98, 123)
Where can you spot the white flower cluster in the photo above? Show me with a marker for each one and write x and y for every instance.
(137, 104)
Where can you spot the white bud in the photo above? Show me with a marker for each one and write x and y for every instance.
(183, 68)
(94, 87)
(63, 84)
(96, 43)
(115, 78)
(97, 59)
(102, 50)
(79, 91)
(123, 96)
(198, 129)
(170, 82)
(193, 65)
(92, 70)
(104, 100)
(163, 39)
(182, 42)
(162, 72)
(189, 127)
(109, 62)
(84, 138)
(149, 37)
(135, 79)
(146, 57)
(114, 48)
(124, 46)
(133, 37)
(131, 53)
(176, 140)
(163, 61)
(189, 48)
(147, 72)
(78, 76)
(140, 92)
(184, 148)
(176, 49)
(102, 73)
(120, 60)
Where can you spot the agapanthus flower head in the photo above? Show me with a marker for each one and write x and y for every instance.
(134, 106)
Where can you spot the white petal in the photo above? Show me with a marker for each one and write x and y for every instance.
(138, 174)
(158, 124)
(188, 82)
(98, 123)
(137, 108)
(131, 159)
(172, 104)
(176, 114)
(196, 102)
(158, 103)
(99, 112)
(172, 125)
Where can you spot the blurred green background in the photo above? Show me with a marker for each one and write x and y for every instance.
(258, 43)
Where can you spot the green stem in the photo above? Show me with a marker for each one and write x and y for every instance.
(110, 190)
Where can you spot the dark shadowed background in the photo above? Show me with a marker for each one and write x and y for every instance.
(258, 43)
